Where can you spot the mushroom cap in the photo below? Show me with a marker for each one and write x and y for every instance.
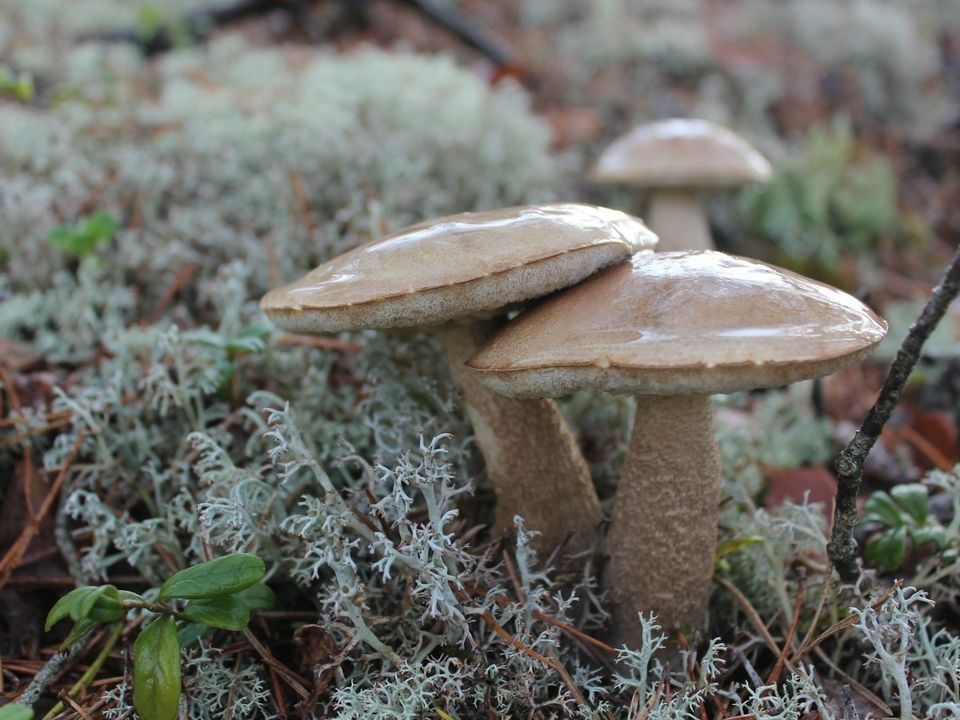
(678, 323)
(467, 265)
(681, 153)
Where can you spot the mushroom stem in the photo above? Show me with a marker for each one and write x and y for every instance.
(679, 218)
(532, 458)
(663, 535)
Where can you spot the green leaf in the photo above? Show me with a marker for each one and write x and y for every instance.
(913, 499)
(734, 545)
(156, 670)
(101, 226)
(18, 86)
(935, 534)
(888, 549)
(127, 596)
(227, 612)
(79, 631)
(216, 578)
(16, 711)
(106, 609)
(205, 336)
(82, 607)
(83, 238)
(257, 597)
(880, 508)
(191, 632)
(249, 340)
(61, 608)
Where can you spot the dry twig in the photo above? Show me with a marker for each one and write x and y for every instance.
(752, 615)
(842, 548)
(774, 677)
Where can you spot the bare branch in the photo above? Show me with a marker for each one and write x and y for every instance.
(849, 464)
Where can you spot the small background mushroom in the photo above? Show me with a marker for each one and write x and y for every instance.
(679, 161)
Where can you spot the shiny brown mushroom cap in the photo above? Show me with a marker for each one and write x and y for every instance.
(681, 153)
(466, 265)
(679, 323)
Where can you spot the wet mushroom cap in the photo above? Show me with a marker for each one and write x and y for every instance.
(681, 153)
(471, 264)
(679, 323)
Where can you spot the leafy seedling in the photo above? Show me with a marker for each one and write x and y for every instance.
(904, 519)
(220, 594)
(82, 238)
(18, 86)
(225, 349)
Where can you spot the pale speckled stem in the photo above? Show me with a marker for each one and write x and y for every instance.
(679, 219)
(532, 458)
(663, 535)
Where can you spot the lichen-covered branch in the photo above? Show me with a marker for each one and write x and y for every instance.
(849, 464)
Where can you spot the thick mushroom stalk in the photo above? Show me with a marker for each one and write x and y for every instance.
(672, 329)
(666, 512)
(680, 219)
(532, 459)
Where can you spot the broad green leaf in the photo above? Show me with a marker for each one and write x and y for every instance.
(65, 238)
(888, 549)
(106, 609)
(16, 711)
(127, 596)
(101, 226)
(935, 534)
(61, 608)
(881, 509)
(913, 499)
(79, 631)
(257, 597)
(82, 607)
(83, 238)
(216, 578)
(227, 612)
(156, 670)
(191, 632)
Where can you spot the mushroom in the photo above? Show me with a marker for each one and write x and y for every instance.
(453, 276)
(672, 330)
(679, 160)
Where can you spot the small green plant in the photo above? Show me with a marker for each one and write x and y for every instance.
(903, 515)
(154, 21)
(824, 202)
(225, 348)
(18, 86)
(82, 238)
(219, 594)
(731, 546)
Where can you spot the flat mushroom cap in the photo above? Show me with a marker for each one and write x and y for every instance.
(679, 323)
(681, 153)
(467, 265)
